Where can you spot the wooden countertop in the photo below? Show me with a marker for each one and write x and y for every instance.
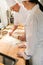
(11, 50)
(1, 64)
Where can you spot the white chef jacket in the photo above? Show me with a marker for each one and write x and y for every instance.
(34, 29)
(20, 17)
(34, 35)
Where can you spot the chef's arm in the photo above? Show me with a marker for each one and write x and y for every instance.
(13, 29)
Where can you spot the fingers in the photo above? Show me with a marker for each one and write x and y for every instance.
(22, 46)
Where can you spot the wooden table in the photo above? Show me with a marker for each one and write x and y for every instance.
(1, 64)
(11, 51)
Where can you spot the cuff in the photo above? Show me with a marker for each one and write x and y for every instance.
(27, 56)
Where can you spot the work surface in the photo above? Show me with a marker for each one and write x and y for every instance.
(9, 47)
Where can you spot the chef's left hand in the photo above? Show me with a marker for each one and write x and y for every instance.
(20, 54)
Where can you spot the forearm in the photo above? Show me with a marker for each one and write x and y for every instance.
(14, 28)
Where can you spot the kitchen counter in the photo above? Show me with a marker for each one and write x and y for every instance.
(9, 47)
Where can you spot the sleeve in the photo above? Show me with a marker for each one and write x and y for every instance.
(31, 37)
(16, 19)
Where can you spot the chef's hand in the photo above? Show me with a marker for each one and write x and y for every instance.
(22, 46)
(23, 55)
(22, 38)
(20, 54)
